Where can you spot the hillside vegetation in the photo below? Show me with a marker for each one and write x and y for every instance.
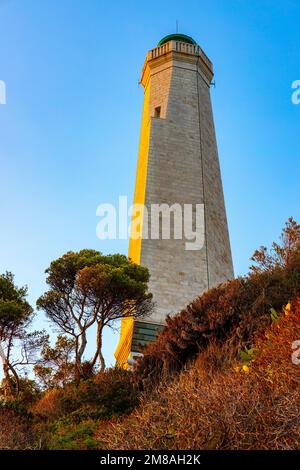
(233, 313)
(224, 374)
(222, 403)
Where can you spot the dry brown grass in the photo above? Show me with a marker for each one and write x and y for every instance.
(15, 431)
(49, 406)
(211, 405)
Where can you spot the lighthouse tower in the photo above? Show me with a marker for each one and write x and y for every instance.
(177, 164)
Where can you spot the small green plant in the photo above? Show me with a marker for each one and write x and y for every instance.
(62, 436)
(274, 315)
(248, 355)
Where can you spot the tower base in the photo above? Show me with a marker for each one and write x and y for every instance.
(134, 336)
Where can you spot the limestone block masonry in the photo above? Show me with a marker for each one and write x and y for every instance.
(178, 163)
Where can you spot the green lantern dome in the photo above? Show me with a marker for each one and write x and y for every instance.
(177, 37)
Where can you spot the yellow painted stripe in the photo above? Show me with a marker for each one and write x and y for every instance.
(124, 346)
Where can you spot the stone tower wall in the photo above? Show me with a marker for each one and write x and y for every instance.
(183, 167)
(177, 163)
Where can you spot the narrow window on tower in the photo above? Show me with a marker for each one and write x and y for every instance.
(157, 112)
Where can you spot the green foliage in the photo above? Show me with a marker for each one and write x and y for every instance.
(78, 408)
(281, 254)
(14, 309)
(106, 394)
(88, 288)
(65, 413)
(29, 393)
(56, 365)
(274, 315)
(109, 393)
(17, 345)
(247, 355)
(63, 436)
(18, 406)
(63, 272)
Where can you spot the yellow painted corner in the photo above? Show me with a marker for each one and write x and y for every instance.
(124, 346)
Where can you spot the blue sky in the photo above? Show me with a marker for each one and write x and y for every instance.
(70, 129)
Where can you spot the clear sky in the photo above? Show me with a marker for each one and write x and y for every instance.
(70, 129)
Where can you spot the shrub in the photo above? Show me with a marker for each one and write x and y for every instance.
(218, 404)
(61, 435)
(65, 417)
(15, 430)
(110, 392)
(236, 311)
(106, 394)
(49, 406)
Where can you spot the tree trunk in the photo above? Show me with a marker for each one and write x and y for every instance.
(16, 379)
(101, 360)
(99, 346)
(98, 354)
(79, 350)
(6, 384)
(77, 366)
